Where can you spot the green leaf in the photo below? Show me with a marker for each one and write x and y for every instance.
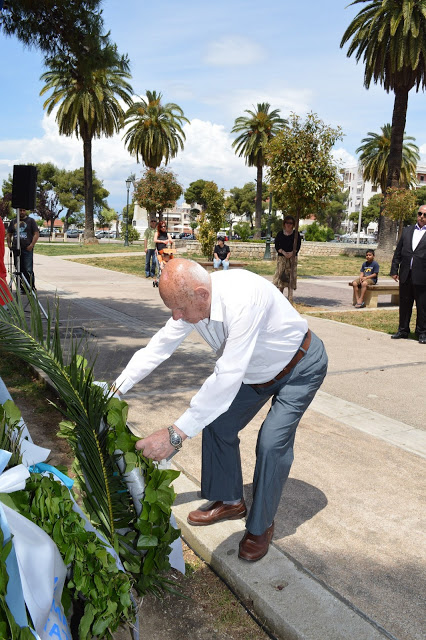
(144, 542)
(86, 622)
(12, 412)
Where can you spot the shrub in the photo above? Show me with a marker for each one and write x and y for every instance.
(317, 233)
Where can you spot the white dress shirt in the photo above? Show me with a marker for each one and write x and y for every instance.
(254, 331)
(418, 235)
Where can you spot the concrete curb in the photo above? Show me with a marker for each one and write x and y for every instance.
(291, 603)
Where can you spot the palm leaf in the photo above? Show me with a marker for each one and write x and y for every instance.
(84, 406)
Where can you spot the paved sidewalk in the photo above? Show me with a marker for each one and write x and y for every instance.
(347, 559)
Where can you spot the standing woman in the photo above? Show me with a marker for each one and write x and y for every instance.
(5, 295)
(284, 248)
(162, 238)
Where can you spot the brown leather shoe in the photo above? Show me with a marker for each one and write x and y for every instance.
(215, 512)
(253, 548)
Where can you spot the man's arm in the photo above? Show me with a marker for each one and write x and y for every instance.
(9, 238)
(396, 260)
(34, 240)
(159, 348)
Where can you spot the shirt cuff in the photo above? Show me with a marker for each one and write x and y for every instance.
(123, 384)
(189, 426)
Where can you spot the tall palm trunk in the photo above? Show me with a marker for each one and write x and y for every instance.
(89, 233)
(388, 227)
(258, 216)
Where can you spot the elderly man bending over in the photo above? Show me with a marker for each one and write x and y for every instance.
(264, 350)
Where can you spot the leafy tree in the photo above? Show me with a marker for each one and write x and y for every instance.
(389, 36)
(243, 229)
(62, 27)
(87, 91)
(399, 205)
(155, 133)
(375, 155)
(318, 233)
(70, 189)
(242, 201)
(421, 196)
(157, 190)
(48, 207)
(256, 130)
(106, 217)
(369, 213)
(131, 211)
(132, 235)
(303, 175)
(332, 214)
(212, 218)
(193, 194)
(6, 210)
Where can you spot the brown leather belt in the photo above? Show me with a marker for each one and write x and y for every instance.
(293, 362)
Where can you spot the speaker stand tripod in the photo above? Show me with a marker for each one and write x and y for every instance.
(16, 275)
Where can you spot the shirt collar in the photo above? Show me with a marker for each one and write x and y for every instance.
(423, 228)
(216, 311)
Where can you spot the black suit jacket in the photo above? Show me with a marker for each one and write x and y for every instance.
(403, 255)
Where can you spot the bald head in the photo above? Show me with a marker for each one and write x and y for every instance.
(185, 287)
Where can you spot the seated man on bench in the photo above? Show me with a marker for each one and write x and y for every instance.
(368, 275)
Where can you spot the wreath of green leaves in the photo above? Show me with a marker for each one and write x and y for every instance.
(95, 425)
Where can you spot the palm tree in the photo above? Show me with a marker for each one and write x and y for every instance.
(375, 154)
(256, 130)
(87, 92)
(156, 132)
(390, 36)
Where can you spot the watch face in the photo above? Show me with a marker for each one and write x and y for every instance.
(175, 439)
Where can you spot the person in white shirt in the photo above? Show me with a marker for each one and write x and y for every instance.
(264, 350)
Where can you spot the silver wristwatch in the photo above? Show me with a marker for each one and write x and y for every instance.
(175, 439)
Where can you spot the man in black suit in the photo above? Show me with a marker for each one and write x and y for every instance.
(409, 267)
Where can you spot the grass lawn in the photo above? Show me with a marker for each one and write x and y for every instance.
(308, 265)
(384, 320)
(76, 249)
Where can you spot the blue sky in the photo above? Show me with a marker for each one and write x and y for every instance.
(215, 60)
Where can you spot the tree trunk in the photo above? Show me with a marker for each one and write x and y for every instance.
(388, 227)
(89, 224)
(258, 217)
(293, 262)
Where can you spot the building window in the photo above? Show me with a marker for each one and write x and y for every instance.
(422, 178)
(374, 189)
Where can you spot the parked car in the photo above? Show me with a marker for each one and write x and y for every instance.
(174, 235)
(72, 233)
(44, 232)
(112, 234)
(187, 236)
(102, 234)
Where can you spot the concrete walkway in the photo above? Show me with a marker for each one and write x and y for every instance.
(348, 557)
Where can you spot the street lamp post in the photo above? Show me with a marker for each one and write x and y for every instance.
(267, 255)
(126, 235)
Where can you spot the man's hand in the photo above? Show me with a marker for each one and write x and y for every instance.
(395, 277)
(157, 446)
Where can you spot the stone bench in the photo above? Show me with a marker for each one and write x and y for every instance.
(376, 290)
(232, 265)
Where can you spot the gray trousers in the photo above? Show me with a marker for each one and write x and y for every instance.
(221, 477)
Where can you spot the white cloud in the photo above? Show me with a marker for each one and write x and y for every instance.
(233, 50)
(209, 155)
(343, 158)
